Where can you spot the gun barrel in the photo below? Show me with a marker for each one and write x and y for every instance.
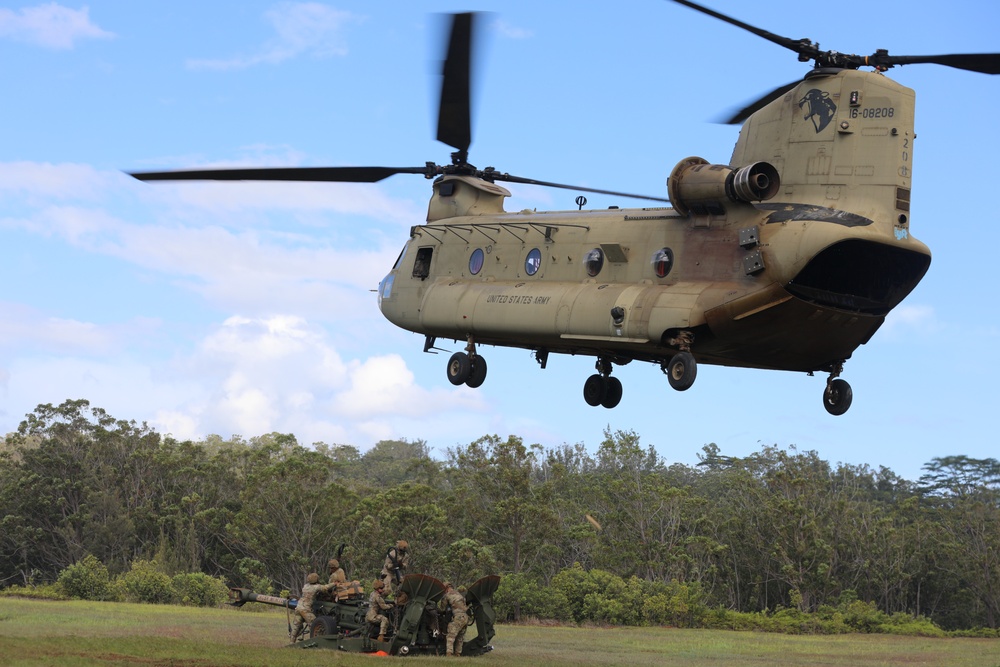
(240, 596)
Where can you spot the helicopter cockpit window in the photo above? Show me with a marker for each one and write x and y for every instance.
(422, 264)
(533, 261)
(594, 261)
(402, 254)
(476, 261)
(663, 261)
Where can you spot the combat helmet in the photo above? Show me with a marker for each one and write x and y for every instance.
(312, 578)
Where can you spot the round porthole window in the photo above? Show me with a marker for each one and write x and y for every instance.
(476, 261)
(594, 262)
(533, 261)
(663, 261)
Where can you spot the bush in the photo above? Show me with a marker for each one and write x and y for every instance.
(145, 583)
(199, 589)
(87, 579)
(519, 597)
(43, 592)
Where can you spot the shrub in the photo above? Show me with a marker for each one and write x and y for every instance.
(43, 592)
(87, 579)
(145, 583)
(199, 589)
(519, 597)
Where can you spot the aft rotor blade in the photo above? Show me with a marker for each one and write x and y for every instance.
(454, 111)
(751, 108)
(802, 46)
(323, 174)
(985, 63)
(530, 181)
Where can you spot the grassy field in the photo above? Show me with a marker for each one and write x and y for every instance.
(85, 634)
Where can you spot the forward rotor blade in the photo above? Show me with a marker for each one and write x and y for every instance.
(454, 112)
(323, 174)
(530, 181)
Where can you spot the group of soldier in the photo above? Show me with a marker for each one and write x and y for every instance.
(397, 562)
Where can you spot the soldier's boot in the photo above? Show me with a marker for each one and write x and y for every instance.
(381, 638)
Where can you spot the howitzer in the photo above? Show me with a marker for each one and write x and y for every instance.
(414, 626)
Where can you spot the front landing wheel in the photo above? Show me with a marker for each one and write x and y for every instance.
(477, 374)
(459, 368)
(595, 389)
(837, 397)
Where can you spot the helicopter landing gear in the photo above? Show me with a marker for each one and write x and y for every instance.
(602, 389)
(681, 370)
(467, 367)
(838, 395)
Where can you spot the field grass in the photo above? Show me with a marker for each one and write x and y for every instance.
(86, 634)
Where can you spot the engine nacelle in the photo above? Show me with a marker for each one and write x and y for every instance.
(696, 187)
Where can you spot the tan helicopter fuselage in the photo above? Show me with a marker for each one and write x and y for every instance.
(788, 259)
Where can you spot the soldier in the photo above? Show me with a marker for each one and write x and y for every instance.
(304, 607)
(459, 620)
(337, 575)
(376, 605)
(397, 561)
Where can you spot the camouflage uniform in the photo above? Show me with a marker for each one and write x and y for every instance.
(376, 605)
(337, 574)
(397, 557)
(459, 620)
(304, 607)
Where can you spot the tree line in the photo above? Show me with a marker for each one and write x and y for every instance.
(780, 529)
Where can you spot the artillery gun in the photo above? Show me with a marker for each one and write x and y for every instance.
(340, 623)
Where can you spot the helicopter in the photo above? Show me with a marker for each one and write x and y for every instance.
(788, 257)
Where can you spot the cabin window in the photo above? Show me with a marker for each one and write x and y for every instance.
(594, 262)
(476, 261)
(663, 261)
(533, 261)
(422, 264)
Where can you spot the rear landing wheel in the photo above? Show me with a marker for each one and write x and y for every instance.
(459, 368)
(681, 370)
(837, 397)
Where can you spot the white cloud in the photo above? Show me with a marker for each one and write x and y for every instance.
(510, 31)
(910, 317)
(50, 25)
(303, 28)
(24, 327)
(58, 181)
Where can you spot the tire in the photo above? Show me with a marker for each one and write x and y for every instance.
(613, 395)
(837, 397)
(682, 371)
(477, 374)
(595, 389)
(323, 625)
(459, 368)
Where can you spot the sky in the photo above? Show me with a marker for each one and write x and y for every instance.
(249, 308)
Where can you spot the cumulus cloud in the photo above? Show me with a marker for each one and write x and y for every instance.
(50, 25)
(302, 28)
(53, 181)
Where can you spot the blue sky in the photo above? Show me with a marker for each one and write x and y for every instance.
(235, 308)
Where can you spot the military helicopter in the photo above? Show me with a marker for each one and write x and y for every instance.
(789, 257)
